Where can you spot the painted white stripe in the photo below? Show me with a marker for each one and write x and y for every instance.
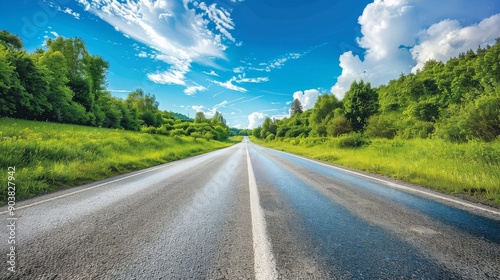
(86, 189)
(110, 182)
(264, 263)
(401, 187)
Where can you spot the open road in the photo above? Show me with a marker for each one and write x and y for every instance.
(248, 212)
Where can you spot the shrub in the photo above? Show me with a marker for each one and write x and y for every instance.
(338, 125)
(270, 137)
(177, 132)
(382, 126)
(417, 129)
(354, 140)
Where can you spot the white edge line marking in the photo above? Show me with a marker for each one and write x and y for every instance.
(264, 263)
(398, 186)
(102, 184)
(85, 189)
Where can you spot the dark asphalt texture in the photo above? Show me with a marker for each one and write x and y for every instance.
(192, 219)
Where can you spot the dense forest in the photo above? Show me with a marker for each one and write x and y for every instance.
(456, 101)
(65, 83)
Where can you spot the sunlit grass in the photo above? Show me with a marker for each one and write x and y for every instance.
(50, 156)
(471, 169)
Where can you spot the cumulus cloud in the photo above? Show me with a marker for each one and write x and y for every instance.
(307, 98)
(448, 39)
(256, 119)
(398, 36)
(183, 33)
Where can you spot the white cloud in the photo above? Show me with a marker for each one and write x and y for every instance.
(69, 11)
(142, 54)
(307, 98)
(239, 69)
(229, 85)
(182, 32)
(399, 34)
(173, 76)
(210, 112)
(240, 79)
(273, 64)
(119, 90)
(448, 39)
(221, 18)
(256, 119)
(212, 73)
(207, 112)
(193, 89)
(253, 80)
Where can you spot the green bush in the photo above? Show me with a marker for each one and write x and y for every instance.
(177, 132)
(338, 125)
(381, 126)
(270, 137)
(354, 140)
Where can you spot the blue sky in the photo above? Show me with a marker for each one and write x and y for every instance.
(250, 58)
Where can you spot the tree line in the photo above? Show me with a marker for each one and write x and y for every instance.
(456, 101)
(65, 83)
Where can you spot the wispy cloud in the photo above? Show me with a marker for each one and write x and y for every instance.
(274, 64)
(66, 10)
(240, 79)
(210, 112)
(182, 33)
(119, 90)
(212, 73)
(229, 85)
(193, 89)
(253, 80)
(252, 99)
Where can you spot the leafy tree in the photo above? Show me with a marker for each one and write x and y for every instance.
(10, 40)
(218, 119)
(323, 111)
(268, 127)
(296, 107)
(200, 117)
(28, 90)
(146, 107)
(360, 102)
(256, 132)
(338, 125)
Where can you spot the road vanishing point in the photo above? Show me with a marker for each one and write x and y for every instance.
(248, 212)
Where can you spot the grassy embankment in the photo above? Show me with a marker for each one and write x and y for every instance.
(50, 156)
(470, 169)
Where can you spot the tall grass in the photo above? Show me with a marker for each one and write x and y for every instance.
(50, 156)
(468, 169)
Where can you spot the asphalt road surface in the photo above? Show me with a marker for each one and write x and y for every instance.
(248, 212)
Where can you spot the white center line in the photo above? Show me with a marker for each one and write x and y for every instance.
(264, 263)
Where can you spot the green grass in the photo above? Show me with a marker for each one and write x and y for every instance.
(236, 139)
(471, 170)
(51, 156)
